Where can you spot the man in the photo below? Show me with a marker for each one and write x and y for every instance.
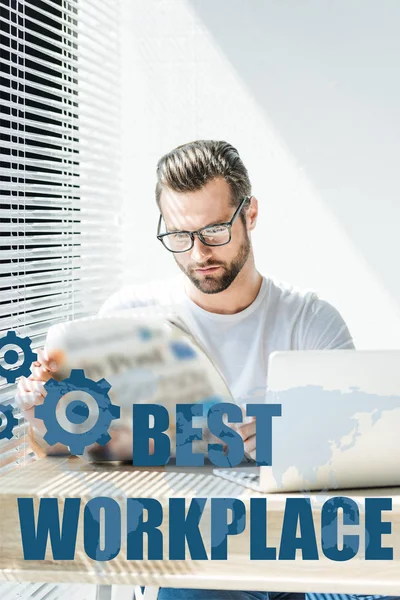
(207, 214)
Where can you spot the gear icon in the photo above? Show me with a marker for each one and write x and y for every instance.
(11, 356)
(11, 421)
(77, 411)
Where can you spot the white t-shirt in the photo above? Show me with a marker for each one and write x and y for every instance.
(280, 318)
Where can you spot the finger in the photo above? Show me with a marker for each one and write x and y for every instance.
(30, 385)
(151, 446)
(26, 394)
(245, 420)
(38, 387)
(37, 371)
(48, 363)
(253, 454)
(40, 374)
(246, 430)
(22, 385)
(27, 400)
(250, 444)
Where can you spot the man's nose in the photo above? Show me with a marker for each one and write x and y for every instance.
(200, 251)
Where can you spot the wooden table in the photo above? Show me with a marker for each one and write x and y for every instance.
(63, 477)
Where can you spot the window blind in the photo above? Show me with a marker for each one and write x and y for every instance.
(60, 203)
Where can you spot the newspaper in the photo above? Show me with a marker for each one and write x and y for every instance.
(146, 357)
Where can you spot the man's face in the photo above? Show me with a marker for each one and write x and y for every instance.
(211, 269)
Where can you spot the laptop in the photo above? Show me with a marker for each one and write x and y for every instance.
(339, 426)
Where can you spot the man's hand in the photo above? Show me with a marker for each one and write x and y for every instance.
(247, 430)
(31, 392)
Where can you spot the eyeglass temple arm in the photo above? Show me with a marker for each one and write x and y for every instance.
(159, 225)
(239, 208)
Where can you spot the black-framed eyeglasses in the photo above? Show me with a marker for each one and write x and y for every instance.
(216, 234)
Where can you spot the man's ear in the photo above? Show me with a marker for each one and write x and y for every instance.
(252, 213)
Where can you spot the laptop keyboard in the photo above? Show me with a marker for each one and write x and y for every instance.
(249, 480)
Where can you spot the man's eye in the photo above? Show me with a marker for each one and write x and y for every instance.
(180, 237)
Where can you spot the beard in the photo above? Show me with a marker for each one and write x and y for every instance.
(214, 284)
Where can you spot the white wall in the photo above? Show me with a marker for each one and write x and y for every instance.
(309, 93)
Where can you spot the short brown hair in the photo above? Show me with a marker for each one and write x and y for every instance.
(191, 166)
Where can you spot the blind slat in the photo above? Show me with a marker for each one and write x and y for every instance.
(55, 240)
(94, 155)
(54, 299)
(39, 328)
(65, 214)
(51, 29)
(64, 190)
(88, 43)
(67, 275)
(61, 191)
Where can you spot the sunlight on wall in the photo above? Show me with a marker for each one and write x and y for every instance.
(179, 86)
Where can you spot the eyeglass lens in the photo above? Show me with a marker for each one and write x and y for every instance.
(181, 241)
